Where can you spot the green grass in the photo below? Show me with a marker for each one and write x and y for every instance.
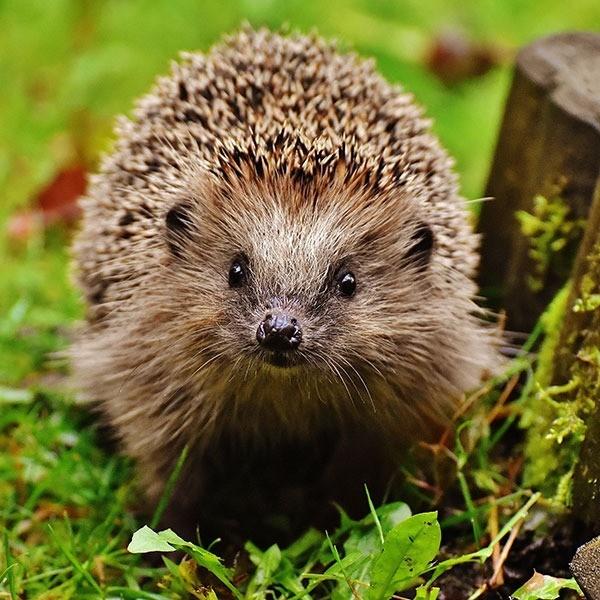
(68, 507)
(69, 510)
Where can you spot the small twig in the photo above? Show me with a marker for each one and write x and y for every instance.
(421, 484)
(504, 396)
(470, 401)
(498, 576)
(480, 590)
(493, 530)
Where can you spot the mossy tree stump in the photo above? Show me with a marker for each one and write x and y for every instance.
(577, 360)
(543, 228)
(543, 175)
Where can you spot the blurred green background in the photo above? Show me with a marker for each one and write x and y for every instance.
(67, 67)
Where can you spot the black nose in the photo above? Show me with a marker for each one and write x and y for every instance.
(279, 332)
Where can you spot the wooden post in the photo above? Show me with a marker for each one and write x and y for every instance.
(577, 359)
(586, 482)
(544, 225)
(581, 319)
(546, 164)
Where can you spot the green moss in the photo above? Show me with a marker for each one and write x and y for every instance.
(589, 300)
(556, 414)
(551, 321)
(551, 229)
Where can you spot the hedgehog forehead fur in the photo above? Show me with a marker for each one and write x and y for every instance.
(294, 235)
(302, 160)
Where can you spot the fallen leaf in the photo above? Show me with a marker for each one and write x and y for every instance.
(55, 203)
(544, 587)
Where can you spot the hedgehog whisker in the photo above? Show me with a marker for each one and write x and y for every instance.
(335, 369)
(205, 364)
(371, 364)
(479, 200)
(362, 380)
(351, 379)
(232, 368)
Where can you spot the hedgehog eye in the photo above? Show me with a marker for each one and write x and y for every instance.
(237, 274)
(422, 242)
(178, 222)
(346, 283)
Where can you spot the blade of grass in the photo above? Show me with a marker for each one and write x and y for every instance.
(374, 515)
(168, 492)
(471, 508)
(8, 572)
(480, 510)
(483, 554)
(462, 458)
(73, 560)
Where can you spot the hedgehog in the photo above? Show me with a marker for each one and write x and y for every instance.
(278, 267)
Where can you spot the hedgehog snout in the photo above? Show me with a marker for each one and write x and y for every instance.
(279, 332)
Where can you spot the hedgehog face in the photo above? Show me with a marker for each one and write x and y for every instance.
(294, 286)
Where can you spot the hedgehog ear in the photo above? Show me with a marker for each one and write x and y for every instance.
(178, 224)
(421, 245)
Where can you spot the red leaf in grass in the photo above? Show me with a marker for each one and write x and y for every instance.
(61, 194)
(55, 203)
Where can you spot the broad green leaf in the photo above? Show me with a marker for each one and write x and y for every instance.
(168, 535)
(368, 541)
(357, 572)
(311, 540)
(203, 557)
(266, 563)
(407, 551)
(147, 540)
(544, 587)
(344, 565)
(212, 563)
(348, 571)
(392, 514)
(289, 577)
